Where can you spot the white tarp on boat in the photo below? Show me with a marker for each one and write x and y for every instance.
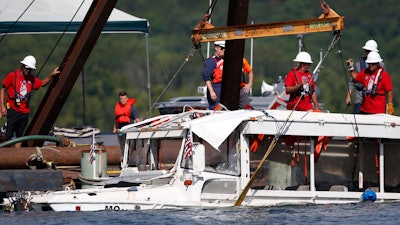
(54, 16)
(215, 129)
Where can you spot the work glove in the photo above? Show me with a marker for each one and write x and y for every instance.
(350, 64)
(390, 109)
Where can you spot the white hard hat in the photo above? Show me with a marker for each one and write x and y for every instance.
(303, 57)
(220, 43)
(371, 45)
(30, 62)
(373, 57)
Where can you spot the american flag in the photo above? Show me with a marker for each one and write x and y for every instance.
(188, 145)
(93, 149)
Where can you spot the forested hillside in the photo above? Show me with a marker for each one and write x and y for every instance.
(118, 61)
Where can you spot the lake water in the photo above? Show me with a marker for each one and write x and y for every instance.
(361, 213)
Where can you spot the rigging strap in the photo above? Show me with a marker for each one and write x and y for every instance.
(210, 10)
(336, 38)
(325, 7)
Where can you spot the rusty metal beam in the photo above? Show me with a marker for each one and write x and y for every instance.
(233, 59)
(206, 32)
(60, 156)
(71, 66)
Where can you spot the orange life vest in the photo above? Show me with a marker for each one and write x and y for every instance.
(123, 112)
(217, 73)
(246, 69)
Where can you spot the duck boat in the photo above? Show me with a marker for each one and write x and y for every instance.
(248, 158)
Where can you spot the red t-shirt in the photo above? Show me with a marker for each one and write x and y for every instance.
(19, 86)
(375, 103)
(305, 103)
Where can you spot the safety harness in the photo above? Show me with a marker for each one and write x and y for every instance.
(301, 90)
(371, 90)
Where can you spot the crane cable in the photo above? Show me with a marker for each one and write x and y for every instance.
(197, 46)
(59, 39)
(360, 150)
(210, 10)
(279, 133)
(172, 79)
(325, 7)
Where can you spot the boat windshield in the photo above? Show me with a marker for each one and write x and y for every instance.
(225, 160)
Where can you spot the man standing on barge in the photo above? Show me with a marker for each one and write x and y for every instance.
(125, 113)
(18, 85)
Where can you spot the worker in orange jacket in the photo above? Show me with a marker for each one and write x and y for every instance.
(125, 113)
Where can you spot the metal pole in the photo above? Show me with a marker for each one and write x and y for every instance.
(381, 167)
(83, 97)
(251, 56)
(208, 43)
(312, 166)
(361, 166)
(148, 72)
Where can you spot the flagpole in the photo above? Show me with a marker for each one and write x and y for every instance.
(93, 154)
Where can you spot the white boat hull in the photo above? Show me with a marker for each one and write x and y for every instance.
(120, 199)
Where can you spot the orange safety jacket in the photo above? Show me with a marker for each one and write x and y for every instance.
(217, 73)
(246, 69)
(123, 112)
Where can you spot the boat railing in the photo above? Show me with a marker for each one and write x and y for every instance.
(166, 122)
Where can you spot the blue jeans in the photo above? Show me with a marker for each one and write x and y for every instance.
(357, 107)
(217, 88)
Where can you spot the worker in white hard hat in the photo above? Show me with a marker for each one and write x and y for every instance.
(300, 85)
(377, 85)
(15, 95)
(212, 74)
(212, 77)
(355, 87)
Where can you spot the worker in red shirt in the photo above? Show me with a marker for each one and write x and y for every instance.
(15, 96)
(377, 85)
(301, 86)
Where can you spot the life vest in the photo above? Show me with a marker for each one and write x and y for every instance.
(217, 72)
(123, 112)
(246, 68)
(373, 83)
(22, 86)
(301, 91)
